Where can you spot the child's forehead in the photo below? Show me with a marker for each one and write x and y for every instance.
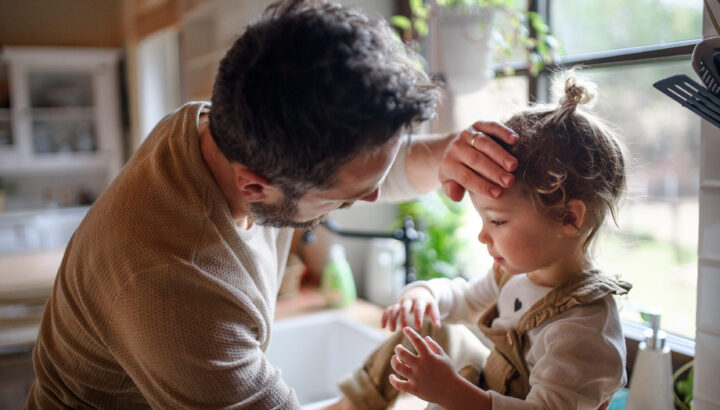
(511, 200)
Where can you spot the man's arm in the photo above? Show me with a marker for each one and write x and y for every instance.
(466, 160)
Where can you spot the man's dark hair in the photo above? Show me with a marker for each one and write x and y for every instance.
(310, 85)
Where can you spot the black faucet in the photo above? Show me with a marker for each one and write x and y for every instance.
(407, 234)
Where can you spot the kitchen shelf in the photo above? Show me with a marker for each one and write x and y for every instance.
(63, 113)
(60, 130)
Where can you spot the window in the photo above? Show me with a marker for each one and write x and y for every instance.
(624, 48)
(585, 26)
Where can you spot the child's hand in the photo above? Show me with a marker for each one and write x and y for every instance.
(428, 374)
(418, 302)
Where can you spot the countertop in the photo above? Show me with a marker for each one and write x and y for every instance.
(26, 280)
(28, 275)
(310, 300)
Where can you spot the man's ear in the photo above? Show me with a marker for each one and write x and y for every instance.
(575, 211)
(252, 186)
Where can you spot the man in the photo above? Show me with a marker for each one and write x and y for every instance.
(166, 294)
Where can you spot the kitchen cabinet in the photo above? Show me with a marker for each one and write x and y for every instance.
(59, 111)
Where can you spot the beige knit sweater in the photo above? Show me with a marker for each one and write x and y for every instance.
(160, 300)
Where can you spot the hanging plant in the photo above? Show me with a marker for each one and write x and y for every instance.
(497, 30)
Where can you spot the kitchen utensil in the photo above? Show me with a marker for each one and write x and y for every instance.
(692, 96)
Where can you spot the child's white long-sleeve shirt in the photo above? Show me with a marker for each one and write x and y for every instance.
(576, 359)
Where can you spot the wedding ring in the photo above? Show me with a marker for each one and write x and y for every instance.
(472, 140)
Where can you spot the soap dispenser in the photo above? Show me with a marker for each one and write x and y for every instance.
(337, 283)
(651, 385)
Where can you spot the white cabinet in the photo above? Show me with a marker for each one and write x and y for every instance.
(59, 111)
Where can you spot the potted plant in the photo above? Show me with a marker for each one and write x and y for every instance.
(683, 381)
(439, 218)
(473, 34)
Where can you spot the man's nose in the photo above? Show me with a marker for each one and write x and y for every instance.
(372, 197)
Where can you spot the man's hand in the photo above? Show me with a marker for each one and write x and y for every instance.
(474, 162)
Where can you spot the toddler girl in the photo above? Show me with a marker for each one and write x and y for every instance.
(548, 313)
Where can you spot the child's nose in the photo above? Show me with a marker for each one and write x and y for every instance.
(483, 236)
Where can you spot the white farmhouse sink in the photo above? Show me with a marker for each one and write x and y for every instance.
(314, 352)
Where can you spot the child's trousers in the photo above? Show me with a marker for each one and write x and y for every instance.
(368, 388)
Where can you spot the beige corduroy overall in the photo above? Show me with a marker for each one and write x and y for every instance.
(504, 369)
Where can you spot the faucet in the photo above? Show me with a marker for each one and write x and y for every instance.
(407, 234)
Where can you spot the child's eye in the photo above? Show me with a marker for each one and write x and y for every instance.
(498, 223)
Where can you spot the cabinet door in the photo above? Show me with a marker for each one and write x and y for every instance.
(62, 112)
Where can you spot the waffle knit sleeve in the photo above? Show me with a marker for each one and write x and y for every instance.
(187, 341)
(460, 300)
(397, 186)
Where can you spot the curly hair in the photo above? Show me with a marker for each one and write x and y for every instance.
(308, 86)
(565, 152)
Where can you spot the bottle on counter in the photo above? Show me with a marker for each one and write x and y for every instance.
(337, 283)
(651, 384)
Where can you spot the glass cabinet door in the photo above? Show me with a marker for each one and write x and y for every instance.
(6, 137)
(62, 112)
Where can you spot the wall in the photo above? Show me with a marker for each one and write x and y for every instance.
(74, 23)
(707, 338)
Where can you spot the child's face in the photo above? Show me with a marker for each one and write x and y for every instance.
(518, 237)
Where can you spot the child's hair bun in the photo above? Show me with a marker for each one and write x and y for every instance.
(578, 92)
(575, 92)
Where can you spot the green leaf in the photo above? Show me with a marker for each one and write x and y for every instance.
(685, 388)
(645, 316)
(538, 23)
(542, 49)
(416, 5)
(401, 22)
(421, 27)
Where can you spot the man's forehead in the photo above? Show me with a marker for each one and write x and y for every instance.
(362, 174)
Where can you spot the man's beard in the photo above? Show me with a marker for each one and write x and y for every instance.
(281, 215)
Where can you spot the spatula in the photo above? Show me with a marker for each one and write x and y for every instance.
(692, 96)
